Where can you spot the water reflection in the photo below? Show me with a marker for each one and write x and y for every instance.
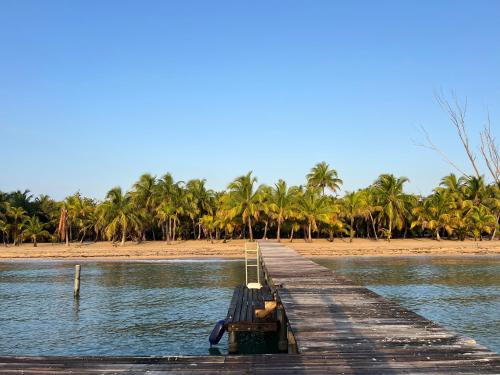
(461, 293)
(125, 308)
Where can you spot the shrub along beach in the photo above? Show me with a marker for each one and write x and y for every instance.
(162, 209)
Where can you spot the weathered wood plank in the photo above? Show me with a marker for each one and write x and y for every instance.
(330, 315)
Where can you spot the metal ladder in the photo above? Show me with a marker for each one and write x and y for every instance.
(252, 259)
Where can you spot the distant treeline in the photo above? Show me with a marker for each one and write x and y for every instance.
(165, 209)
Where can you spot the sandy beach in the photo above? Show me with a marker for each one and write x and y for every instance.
(234, 249)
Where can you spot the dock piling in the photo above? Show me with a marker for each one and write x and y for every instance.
(233, 343)
(76, 289)
(283, 342)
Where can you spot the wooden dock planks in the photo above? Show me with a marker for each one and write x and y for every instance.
(279, 364)
(241, 313)
(330, 315)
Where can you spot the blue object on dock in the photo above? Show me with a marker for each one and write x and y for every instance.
(217, 332)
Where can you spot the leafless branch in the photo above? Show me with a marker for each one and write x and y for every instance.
(489, 150)
(456, 112)
(431, 146)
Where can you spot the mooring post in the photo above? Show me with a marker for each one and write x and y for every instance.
(233, 343)
(282, 343)
(76, 290)
(292, 344)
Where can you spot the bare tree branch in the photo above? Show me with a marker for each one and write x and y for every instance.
(489, 150)
(431, 146)
(456, 113)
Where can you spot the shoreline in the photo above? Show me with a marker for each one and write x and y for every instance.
(233, 250)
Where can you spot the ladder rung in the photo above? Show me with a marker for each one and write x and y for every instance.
(252, 265)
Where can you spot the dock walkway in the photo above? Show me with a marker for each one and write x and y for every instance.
(329, 315)
(338, 327)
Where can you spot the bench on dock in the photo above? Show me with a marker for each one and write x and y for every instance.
(246, 311)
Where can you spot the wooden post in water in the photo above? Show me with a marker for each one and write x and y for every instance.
(76, 290)
(282, 333)
(292, 344)
(233, 343)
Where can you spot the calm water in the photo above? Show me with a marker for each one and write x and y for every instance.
(462, 294)
(163, 308)
(125, 308)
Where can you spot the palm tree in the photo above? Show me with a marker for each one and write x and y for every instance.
(475, 189)
(480, 220)
(492, 201)
(314, 209)
(117, 215)
(209, 223)
(170, 204)
(17, 214)
(371, 208)
(244, 199)
(225, 215)
(334, 223)
(282, 200)
(4, 229)
(435, 213)
(265, 207)
(321, 177)
(165, 211)
(144, 197)
(180, 201)
(202, 202)
(22, 199)
(34, 229)
(354, 206)
(453, 184)
(391, 199)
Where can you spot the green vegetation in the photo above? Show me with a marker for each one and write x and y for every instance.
(162, 208)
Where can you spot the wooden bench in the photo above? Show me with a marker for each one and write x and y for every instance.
(246, 310)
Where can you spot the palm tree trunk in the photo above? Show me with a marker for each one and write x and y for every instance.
(167, 230)
(309, 233)
(174, 229)
(495, 230)
(291, 235)
(67, 235)
(34, 242)
(250, 232)
(437, 235)
(390, 230)
(373, 225)
(278, 231)
(124, 236)
(352, 229)
(265, 231)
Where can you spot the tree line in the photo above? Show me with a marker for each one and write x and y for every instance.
(169, 210)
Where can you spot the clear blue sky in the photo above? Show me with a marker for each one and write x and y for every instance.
(95, 93)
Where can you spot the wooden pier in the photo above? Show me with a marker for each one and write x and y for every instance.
(335, 325)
